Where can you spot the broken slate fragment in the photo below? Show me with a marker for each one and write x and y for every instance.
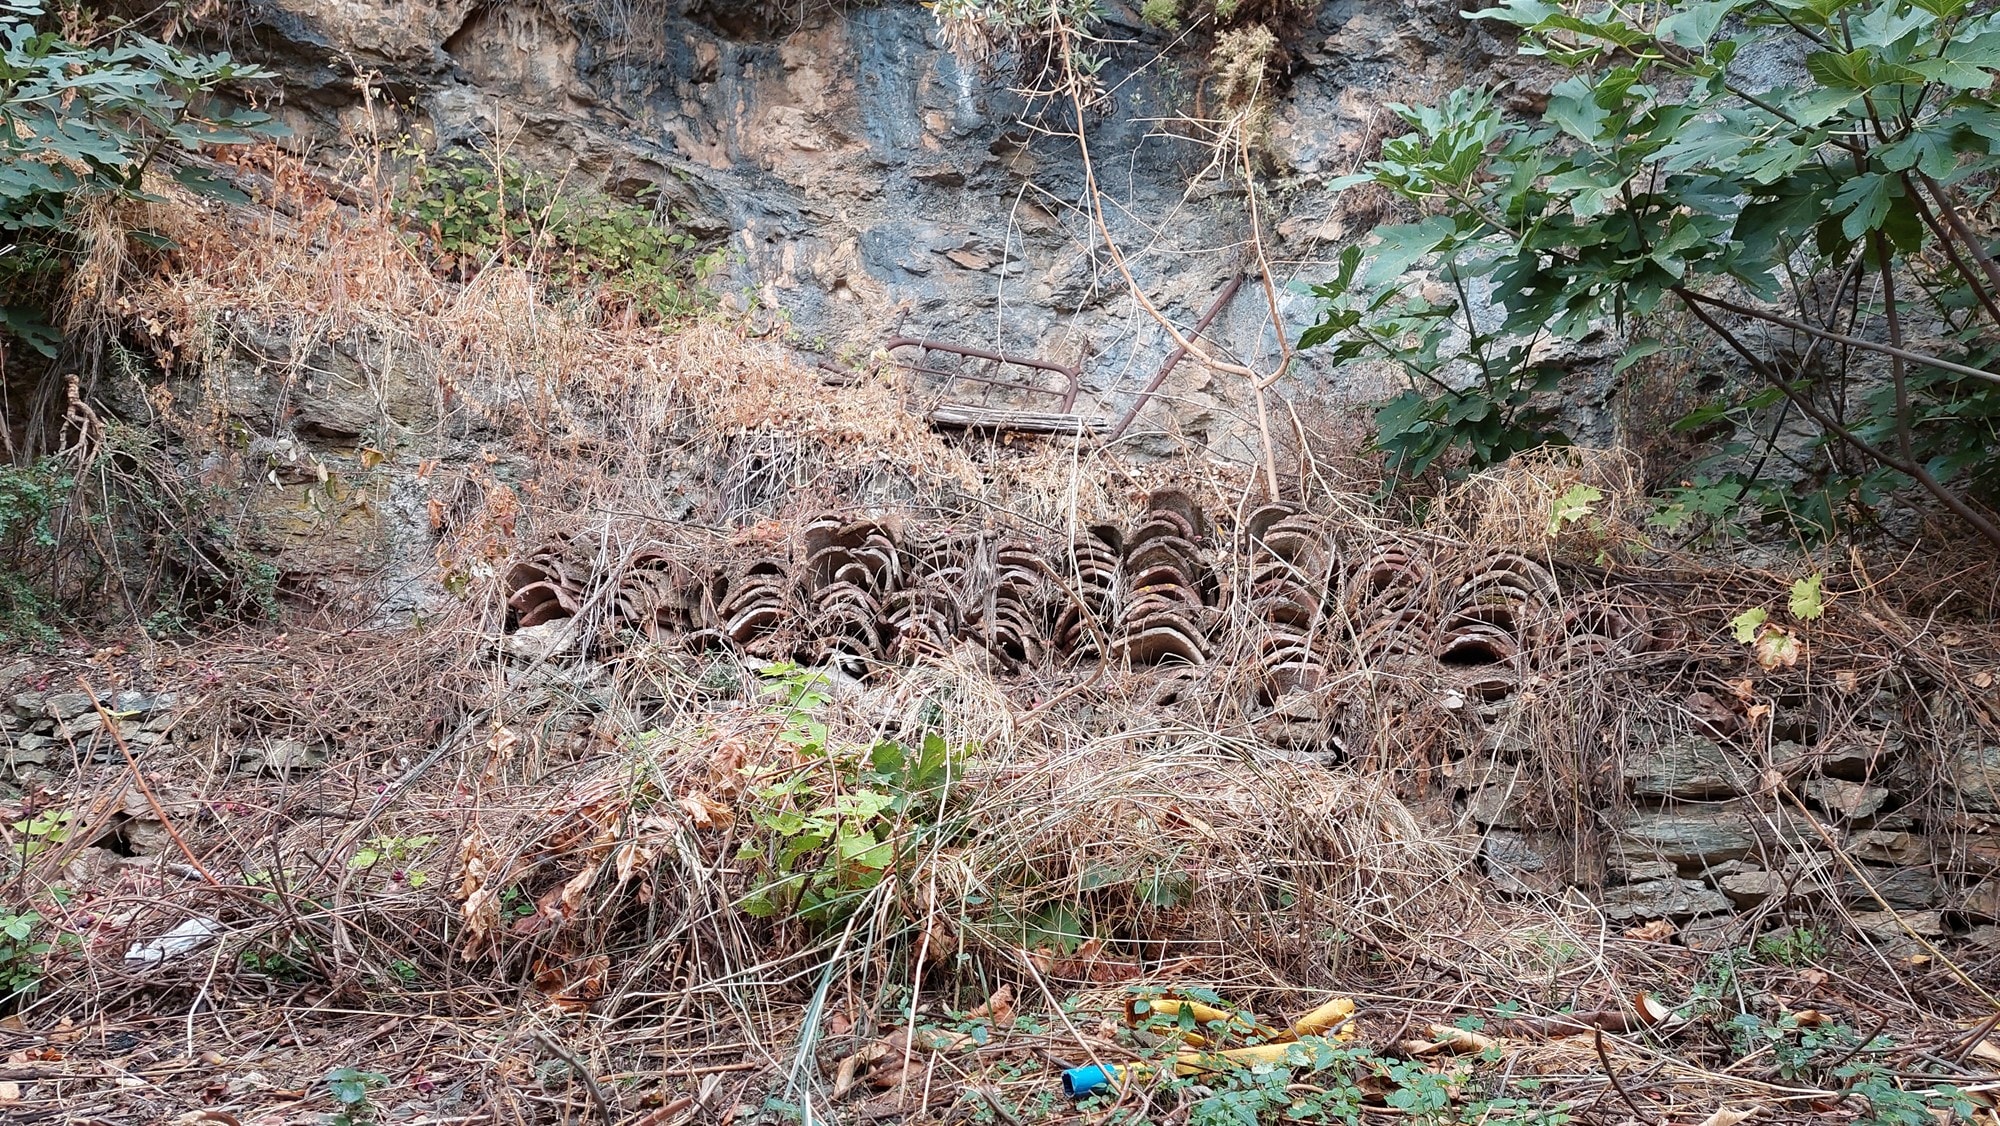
(1905, 889)
(68, 705)
(280, 758)
(1676, 899)
(1846, 799)
(1748, 889)
(1975, 774)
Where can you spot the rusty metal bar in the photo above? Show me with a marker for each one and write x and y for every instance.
(1173, 361)
(1071, 373)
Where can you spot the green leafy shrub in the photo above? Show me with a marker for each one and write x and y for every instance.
(21, 952)
(831, 829)
(479, 213)
(1838, 213)
(90, 111)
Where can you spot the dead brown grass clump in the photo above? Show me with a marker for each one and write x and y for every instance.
(1565, 501)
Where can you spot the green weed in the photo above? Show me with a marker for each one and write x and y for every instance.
(479, 212)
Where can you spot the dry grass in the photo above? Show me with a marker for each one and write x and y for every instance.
(1569, 501)
(556, 926)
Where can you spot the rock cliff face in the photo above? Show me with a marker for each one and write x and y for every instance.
(867, 181)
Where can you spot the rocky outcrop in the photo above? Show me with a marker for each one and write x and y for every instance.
(864, 179)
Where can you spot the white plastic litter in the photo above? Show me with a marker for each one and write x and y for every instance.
(190, 936)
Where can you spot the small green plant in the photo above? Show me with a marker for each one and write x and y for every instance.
(44, 831)
(21, 953)
(1796, 1047)
(350, 1087)
(831, 828)
(1891, 1104)
(515, 903)
(288, 957)
(1793, 946)
(393, 850)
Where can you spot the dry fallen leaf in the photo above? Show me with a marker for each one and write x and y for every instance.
(998, 1008)
(1729, 1116)
(10, 1092)
(1089, 964)
(1659, 930)
(629, 859)
(706, 812)
(1449, 1038)
(1982, 679)
(1650, 1009)
(846, 1074)
(1778, 646)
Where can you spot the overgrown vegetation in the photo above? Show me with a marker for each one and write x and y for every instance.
(91, 114)
(88, 109)
(481, 210)
(832, 828)
(112, 523)
(1816, 243)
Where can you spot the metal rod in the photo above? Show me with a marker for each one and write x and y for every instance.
(1072, 374)
(1173, 360)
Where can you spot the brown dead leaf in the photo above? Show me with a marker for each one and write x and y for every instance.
(1986, 1051)
(574, 986)
(725, 767)
(629, 858)
(998, 1008)
(846, 1075)
(1982, 679)
(1777, 646)
(706, 812)
(10, 1091)
(839, 1024)
(479, 903)
(500, 748)
(1729, 1116)
(570, 899)
(886, 1059)
(1848, 683)
(1659, 930)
